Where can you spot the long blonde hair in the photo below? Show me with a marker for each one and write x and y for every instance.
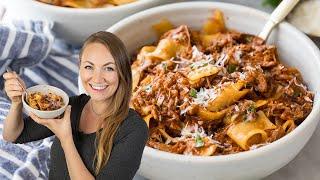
(120, 100)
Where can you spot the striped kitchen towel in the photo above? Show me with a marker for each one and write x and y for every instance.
(23, 44)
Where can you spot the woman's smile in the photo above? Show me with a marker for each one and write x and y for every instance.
(98, 87)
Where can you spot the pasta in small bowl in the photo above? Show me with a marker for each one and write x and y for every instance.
(45, 101)
(220, 103)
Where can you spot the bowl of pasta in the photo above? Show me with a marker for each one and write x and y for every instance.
(75, 20)
(45, 101)
(220, 102)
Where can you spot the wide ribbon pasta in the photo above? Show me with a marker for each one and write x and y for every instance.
(251, 132)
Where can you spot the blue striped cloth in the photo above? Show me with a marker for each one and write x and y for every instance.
(29, 48)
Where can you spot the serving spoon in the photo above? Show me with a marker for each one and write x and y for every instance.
(277, 16)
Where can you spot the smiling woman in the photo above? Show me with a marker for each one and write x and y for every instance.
(99, 137)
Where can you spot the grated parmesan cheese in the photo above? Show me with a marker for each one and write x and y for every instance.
(178, 36)
(222, 60)
(193, 131)
(236, 108)
(204, 96)
(255, 146)
(307, 99)
(242, 76)
(300, 85)
(184, 111)
(237, 55)
(200, 58)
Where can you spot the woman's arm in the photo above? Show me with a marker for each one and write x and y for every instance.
(76, 168)
(15, 129)
(13, 124)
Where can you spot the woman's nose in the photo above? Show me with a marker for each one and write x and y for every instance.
(97, 76)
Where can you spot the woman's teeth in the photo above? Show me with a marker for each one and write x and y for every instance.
(98, 87)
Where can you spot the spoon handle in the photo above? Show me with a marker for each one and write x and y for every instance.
(277, 16)
(2, 11)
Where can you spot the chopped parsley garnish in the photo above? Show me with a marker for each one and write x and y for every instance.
(296, 94)
(248, 85)
(193, 93)
(231, 68)
(199, 141)
(165, 66)
(248, 38)
(251, 109)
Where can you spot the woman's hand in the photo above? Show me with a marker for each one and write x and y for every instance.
(13, 87)
(60, 127)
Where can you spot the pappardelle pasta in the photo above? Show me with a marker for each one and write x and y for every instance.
(215, 91)
(87, 3)
(44, 102)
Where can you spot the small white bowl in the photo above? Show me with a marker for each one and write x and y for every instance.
(295, 49)
(46, 89)
(76, 24)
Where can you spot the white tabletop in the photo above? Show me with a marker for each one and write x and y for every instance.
(306, 166)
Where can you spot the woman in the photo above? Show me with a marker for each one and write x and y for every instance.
(98, 136)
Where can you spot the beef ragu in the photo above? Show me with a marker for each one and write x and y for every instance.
(44, 102)
(215, 91)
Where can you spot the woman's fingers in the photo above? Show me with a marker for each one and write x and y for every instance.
(13, 90)
(13, 94)
(10, 82)
(67, 113)
(13, 87)
(44, 122)
(9, 75)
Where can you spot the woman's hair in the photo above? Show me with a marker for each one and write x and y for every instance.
(119, 107)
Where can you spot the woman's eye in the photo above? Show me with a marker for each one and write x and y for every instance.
(88, 67)
(109, 69)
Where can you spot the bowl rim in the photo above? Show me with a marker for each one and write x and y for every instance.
(50, 87)
(158, 154)
(61, 9)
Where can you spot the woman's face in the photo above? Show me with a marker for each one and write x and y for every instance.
(98, 72)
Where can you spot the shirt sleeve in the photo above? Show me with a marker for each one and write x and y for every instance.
(126, 154)
(32, 131)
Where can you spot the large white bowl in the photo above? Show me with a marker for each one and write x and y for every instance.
(295, 50)
(46, 89)
(75, 25)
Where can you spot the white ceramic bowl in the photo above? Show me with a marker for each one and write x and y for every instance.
(295, 49)
(75, 25)
(46, 89)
